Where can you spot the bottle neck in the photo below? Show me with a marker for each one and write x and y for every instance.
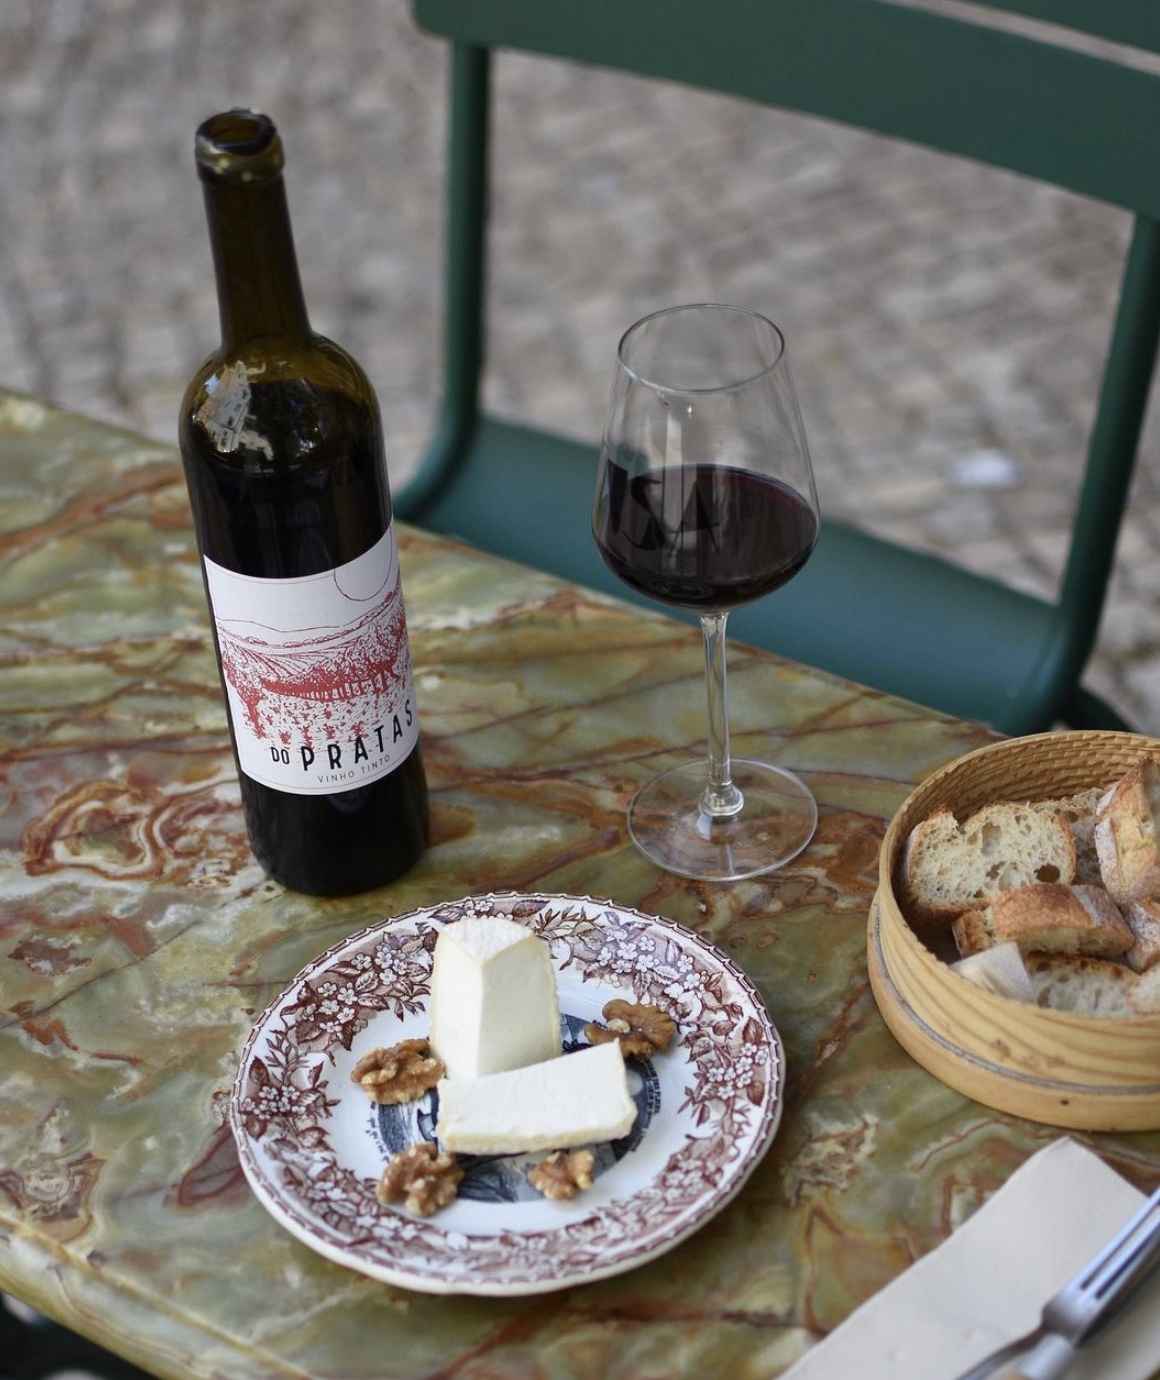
(258, 286)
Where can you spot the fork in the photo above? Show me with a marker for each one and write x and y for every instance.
(1087, 1305)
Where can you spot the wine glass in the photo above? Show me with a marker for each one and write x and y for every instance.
(705, 500)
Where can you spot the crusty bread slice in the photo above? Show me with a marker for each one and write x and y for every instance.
(1047, 918)
(1087, 986)
(1079, 813)
(1143, 919)
(1146, 992)
(948, 867)
(1127, 834)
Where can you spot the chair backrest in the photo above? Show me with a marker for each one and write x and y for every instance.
(1067, 91)
(954, 81)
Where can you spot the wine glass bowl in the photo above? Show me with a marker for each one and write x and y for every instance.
(705, 500)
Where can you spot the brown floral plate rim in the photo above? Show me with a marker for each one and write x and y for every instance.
(311, 1146)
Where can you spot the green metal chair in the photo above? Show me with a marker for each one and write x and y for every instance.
(869, 609)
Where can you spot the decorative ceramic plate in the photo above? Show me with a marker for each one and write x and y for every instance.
(313, 1145)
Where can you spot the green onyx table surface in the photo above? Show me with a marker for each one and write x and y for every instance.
(139, 942)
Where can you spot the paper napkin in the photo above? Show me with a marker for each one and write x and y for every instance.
(988, 1282)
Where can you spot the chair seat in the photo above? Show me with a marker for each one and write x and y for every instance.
(528, 496)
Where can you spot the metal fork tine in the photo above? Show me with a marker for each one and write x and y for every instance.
(1122, 1264)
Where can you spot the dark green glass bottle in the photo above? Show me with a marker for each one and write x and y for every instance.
(283, 451)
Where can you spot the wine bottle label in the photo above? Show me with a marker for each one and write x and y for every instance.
(317, 672)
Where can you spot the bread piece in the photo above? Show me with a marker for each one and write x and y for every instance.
(1126, 834)
(1047, 918)
(948, 867)
(1079, 813)
(1087, 986)
(1145, 992)
(1143, 919)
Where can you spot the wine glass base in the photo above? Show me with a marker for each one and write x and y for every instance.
(669, 826)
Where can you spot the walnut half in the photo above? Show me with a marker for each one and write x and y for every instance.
(642, 1030)
(401, 1073)
(422, 1178)
(562, 1175)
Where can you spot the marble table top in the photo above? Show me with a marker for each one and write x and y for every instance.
(139, 942)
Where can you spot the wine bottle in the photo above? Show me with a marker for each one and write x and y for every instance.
(283, 452)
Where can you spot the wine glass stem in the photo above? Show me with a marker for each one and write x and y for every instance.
(721, 799)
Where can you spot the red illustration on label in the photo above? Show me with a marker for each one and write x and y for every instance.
(317, 672)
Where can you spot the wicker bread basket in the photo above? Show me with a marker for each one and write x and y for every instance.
(1078, 1071)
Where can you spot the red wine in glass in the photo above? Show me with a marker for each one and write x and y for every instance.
(738, 535)
(705, 501)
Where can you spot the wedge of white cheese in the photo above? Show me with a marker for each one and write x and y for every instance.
(493, 998)
(557, 1105)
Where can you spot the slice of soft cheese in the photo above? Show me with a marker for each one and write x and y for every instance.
(493, 998)
(557, 1105)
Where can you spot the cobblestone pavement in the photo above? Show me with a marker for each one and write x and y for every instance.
(946, 322)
